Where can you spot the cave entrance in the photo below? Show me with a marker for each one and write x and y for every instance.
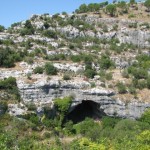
(87, 108)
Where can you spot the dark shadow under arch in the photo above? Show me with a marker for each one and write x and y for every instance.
(87, 108)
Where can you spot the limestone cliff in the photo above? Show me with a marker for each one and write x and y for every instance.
(44, 92)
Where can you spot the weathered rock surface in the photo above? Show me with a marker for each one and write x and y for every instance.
(136, 36)
(44, 92)
(17, 109)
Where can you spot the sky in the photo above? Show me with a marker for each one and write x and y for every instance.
(12, 11)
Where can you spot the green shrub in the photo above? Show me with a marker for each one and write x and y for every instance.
(50, 69)
(2, 28)
(32, 117)
(132, 90)
(105, 62)
(76, 58)
(66, 77)
(90, 73)
(125, 73)
(62, 107)
(50, 34)
(29, 60)
(69, 128)
(28, 29)
(3, 106)
(142, 84)
(131, 16)
(84, 127)
(8, 57)
(38, 70)
(31, 107)
(121, 88)
(147, 4)
(148, 82)
(111, 9)
(133, 25)
(146, 116)
(8, 83)
(138, 73)
(109, 122)
(108, 76)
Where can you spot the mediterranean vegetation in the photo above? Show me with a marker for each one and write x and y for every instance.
(75, 48)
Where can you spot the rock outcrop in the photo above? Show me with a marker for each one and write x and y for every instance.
(137, 36)
(44, 92)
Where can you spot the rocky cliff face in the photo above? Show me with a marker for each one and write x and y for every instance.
(128, 31)
(44, 92)
(42, 46)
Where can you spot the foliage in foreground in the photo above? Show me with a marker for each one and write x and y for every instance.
(106, 134)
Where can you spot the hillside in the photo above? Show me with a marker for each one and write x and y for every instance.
(56, 70)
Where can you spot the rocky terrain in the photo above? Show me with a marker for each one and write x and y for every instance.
(74, 44)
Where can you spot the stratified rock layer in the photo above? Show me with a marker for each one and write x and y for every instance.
(44, 92)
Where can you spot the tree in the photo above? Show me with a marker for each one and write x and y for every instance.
(83, 8)
(111, 9)
(147, 4)
(62, 106)
(2, 28)
(132, 2)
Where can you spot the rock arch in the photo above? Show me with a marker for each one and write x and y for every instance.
(87, 108)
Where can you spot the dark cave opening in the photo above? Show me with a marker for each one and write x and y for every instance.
(88, 109)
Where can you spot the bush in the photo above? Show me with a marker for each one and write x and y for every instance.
(109, 122)
(148, 82)
(111, 9)
(31, 107)
(147, 4)
(146, 116)
(8, 57)
(3, 107)
(29, 60)
(105, 62)
(66, 77)
(50, 69)
(121, 88)
(141, 84)
(125, 73)
(108, 76)
(2, 28)
(62, 107)
(90, 73)
(8, 83)
(76, 58)
(28, 29)
(50, 34)
(33, 118)
(132, 90)
(84, 127)
(138, 73)
(69, 128)
(38, 70)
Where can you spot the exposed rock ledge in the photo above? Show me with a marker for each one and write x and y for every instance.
(44, 92)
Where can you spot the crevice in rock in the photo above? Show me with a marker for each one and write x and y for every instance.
(87, 108)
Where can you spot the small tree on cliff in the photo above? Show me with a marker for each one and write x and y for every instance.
(132, 2)
(147, 4)
(111, 9)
